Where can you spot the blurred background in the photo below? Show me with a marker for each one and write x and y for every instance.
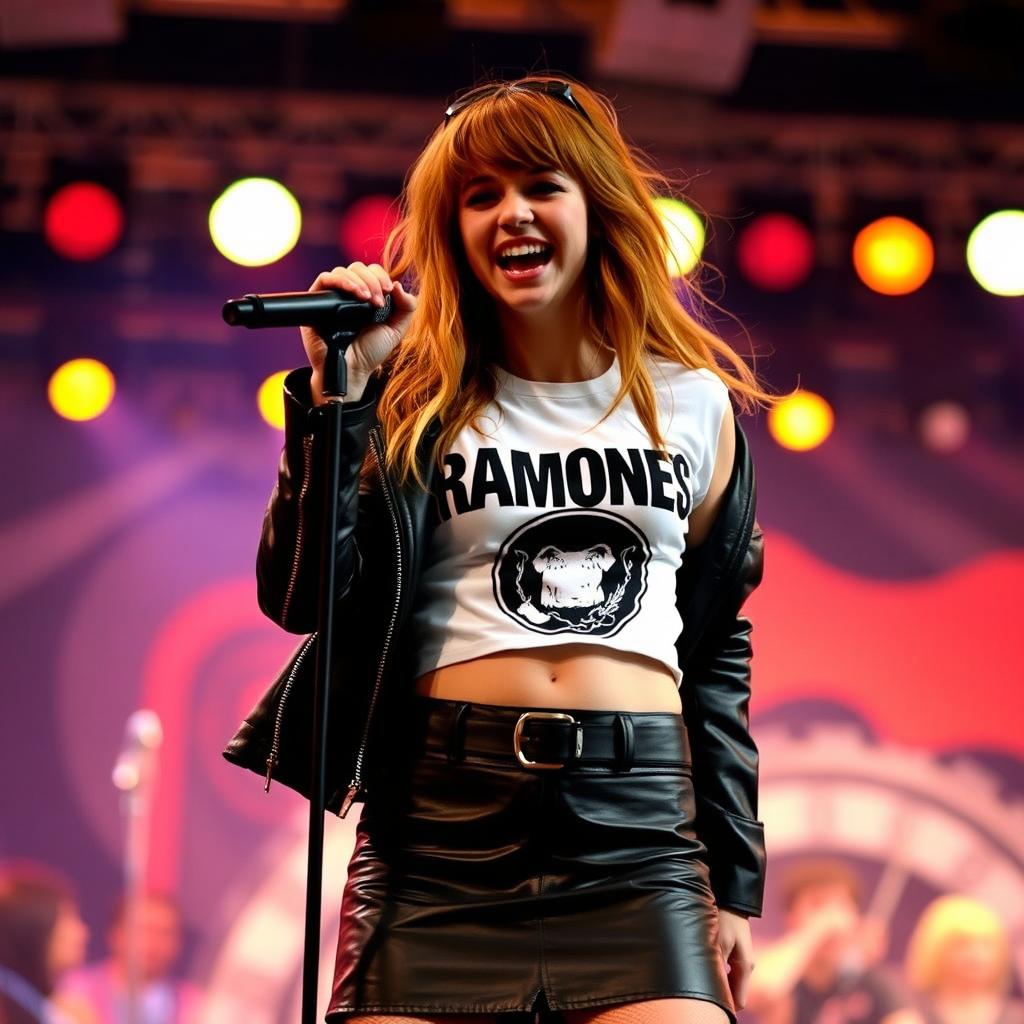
(853, 176)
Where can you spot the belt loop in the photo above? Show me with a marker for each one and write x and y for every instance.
(625, 745)
(457, 731)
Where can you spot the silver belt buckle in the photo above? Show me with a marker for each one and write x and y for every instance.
(517, 737)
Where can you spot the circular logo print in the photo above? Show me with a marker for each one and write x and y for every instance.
(572, 572)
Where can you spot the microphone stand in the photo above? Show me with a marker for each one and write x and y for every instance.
(329, 316)
(135, 808)
(134, 775)
(335, 388)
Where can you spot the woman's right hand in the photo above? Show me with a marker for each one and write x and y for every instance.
(374, 343)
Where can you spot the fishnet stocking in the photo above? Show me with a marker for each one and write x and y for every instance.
(649, 1011)
(431, 1018)
(652, 1011)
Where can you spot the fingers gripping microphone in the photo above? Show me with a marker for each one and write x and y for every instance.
(331, 310)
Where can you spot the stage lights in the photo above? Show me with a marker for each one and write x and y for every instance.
(775, 252)
(365, 226)
(995, 253)
(81, 389)
(83, 220)
(270, 399)
(685, 233)
(944, 426)
(255, 221)
(802, 421)
(893, 256)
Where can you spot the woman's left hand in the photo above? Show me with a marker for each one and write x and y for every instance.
(738, 952)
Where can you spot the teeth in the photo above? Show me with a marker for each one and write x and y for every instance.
(523, 250)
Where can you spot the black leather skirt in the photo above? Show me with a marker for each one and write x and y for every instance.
(510, 864)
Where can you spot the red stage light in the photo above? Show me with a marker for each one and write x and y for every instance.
(365, 226)
(775, 252)
(83, 221)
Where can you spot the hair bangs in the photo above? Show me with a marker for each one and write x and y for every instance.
(520, 130)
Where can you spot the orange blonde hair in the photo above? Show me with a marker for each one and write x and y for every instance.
(442, 365)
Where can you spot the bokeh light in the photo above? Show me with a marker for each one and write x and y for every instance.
(255, 221)
(995, 252)
(83, 221)
(893, 256)
(944, 426)
(685, 232)
(365, 226)
(81, 389)
(270, 399)
(801, 421)
(775, 252)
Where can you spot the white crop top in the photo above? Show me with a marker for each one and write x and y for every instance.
(553, 530)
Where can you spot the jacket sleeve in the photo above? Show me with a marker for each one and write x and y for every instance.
(288, 559)
(716, 697)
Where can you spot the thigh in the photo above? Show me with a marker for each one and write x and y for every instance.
(652, 1011)
(425, 1018)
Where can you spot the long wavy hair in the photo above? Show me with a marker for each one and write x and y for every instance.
(442, 365)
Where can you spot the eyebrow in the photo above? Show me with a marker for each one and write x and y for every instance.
(545, 169)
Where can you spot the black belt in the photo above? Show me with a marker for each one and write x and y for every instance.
(549, 738)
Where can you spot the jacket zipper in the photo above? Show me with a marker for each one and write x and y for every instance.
(275, 743)
(307, 456)
(357, 778)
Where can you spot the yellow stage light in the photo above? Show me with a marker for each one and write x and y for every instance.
(802, 421)
(270, 399)
(686, 235)
(255, 221)
(81, 389)
(893, 256)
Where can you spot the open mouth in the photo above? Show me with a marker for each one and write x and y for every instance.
(525, 263)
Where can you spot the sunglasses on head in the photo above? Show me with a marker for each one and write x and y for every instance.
(561, 91)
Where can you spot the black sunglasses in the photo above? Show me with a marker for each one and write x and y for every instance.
(561, 91)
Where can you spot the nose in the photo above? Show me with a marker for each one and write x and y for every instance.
(514, 208)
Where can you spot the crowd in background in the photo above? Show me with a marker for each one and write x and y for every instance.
(43, 941)
(829, 966)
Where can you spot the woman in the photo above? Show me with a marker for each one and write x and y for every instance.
(541, 430)
(959, 963)
(42, 935)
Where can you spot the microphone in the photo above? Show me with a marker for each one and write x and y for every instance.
(143, 735)
(329, 310)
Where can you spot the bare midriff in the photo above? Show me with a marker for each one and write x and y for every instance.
(564, 676)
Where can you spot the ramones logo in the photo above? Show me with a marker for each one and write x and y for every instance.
(572, 572)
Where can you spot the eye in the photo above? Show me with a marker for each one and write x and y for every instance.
(545, 188)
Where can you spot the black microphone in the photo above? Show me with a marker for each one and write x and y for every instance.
(328, 310)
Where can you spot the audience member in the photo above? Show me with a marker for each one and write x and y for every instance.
(959, 965)
(162, 998)
(827, 968)
(42, 935)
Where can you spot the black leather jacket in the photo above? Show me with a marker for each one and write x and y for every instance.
(382, 535)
